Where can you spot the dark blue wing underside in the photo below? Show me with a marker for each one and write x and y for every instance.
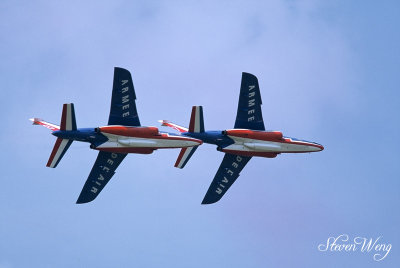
(228, 172)
(102, 171)
(123, 107)
(249, 114)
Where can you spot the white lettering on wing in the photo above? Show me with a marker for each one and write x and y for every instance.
(125, 99)
(251, 103)
(104, 170)
(224, 182)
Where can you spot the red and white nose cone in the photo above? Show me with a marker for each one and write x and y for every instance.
(316, 147)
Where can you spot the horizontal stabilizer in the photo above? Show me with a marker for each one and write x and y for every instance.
(166, 123)
(58, 152)
(184, 156)
(38, 121)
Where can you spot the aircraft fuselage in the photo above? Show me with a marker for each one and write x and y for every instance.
(255, 143)
(124, 139)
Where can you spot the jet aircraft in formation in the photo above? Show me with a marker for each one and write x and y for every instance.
(248, 138)
(124, 134)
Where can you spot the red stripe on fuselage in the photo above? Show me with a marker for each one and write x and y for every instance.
(139, 132)
(143, 132)
(256, 135)
(274, 136)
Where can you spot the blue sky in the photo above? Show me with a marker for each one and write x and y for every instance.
(328, 72)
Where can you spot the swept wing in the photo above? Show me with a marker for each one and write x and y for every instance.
(249, 114)
(102, 171)
(228, 172)
(123, 107)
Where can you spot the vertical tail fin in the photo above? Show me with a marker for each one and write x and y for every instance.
(196, 125)
(68, 123)
(196, 120)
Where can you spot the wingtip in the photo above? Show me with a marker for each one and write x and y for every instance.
(208, 202)
(248, 74)
(80, 201)
(163, 122)
(84, 199)
(35, 120)
(121, 69)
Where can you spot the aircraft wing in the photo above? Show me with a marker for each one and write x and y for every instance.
(249, 115)
(123, 106)
(102, 171)
(228, 172)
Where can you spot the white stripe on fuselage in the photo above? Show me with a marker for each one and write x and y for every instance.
(135, 142)
(252, 145)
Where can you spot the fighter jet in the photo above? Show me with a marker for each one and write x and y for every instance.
(248, 138)
(122, 135)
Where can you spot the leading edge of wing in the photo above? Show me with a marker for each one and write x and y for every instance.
(123, 107)
(249, 114)
(101, 173)
(227, 173)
